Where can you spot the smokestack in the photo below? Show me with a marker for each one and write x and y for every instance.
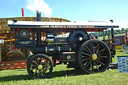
(22, 9)
(39, 42)
(38, 16)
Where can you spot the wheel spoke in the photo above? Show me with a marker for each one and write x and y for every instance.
(41, 73)
(38, 60)
(45, 65)
(97, 51)
(100, 62)
(96, 66)
(88, 63)
(41, 60)
(85, 63)
(33, 65)
(36, 71)
(32, 68)
(86, 54)
(93, 48)
(85, 59)
(103, 56)
(91, 66)
(96, 47)
(35, 62)
(38, 74)
(101, 50)
(101, 59)
(88, 50)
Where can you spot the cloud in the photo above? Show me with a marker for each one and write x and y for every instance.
(39, 5)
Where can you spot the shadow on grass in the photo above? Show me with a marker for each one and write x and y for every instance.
(66, 73)
(15, 78)
(53, 75)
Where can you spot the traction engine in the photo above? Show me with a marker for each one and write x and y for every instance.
(77, 50)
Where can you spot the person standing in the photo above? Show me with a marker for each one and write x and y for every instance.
(96, 37)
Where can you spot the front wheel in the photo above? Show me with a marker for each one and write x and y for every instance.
(39, 66)
(93, 56)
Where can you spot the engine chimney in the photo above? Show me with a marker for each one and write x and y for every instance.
(39, 42)
(38, 16)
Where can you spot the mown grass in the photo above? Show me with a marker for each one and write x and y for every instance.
(20, 77)
(65, 76)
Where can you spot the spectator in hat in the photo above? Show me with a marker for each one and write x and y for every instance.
(96, 37)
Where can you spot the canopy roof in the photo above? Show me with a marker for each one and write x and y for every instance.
(6, 33)
(4, 25)
(88, 26)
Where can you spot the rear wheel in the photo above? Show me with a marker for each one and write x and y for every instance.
(39, 66)
(93, 56)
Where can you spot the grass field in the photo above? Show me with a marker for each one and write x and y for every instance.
(64, 76)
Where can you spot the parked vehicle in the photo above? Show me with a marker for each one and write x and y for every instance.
(77, 50)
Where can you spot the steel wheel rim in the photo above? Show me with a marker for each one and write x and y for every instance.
(39, 67)
(94, 56)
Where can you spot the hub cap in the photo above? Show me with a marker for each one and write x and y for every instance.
(40, 67)
(94, 57)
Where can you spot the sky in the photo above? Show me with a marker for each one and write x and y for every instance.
(73, 10)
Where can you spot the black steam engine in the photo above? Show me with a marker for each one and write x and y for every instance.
(78, 49)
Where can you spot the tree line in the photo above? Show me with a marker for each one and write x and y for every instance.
(108, 32)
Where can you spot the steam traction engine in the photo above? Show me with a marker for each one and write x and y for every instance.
(78, 49)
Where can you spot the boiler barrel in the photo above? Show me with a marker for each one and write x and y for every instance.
(50, 50)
